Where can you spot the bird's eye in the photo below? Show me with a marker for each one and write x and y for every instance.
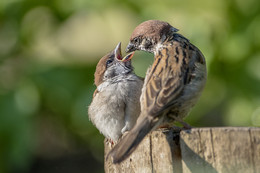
(136, 39)
(109, 62)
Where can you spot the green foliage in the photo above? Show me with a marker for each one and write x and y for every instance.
(48, 54)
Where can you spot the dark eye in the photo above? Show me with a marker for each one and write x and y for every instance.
(109, 62)
(136, 40)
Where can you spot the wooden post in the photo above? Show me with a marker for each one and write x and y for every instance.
(202, 150)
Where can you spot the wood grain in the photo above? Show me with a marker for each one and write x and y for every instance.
(202, 150)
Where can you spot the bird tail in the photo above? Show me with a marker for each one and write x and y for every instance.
(129, 142)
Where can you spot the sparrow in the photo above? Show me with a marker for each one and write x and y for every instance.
(115, 105)
(172, 84)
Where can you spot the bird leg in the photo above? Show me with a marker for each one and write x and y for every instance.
(185, 125)
(109, 142)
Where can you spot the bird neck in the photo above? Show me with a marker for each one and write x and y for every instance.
(116, 79)
(158, 47)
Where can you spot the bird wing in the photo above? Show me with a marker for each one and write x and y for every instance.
(165, 80)
(168, 75)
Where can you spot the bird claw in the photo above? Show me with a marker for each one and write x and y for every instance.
(110, 142)
(186, 126)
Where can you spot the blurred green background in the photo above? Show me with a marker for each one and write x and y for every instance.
(49, 50)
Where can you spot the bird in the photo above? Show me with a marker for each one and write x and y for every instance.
(172, 85)
(115, 105)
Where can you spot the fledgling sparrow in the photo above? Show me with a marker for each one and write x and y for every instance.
(172, 84)
(115, 105)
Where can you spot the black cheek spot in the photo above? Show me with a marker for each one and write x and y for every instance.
(148, 45)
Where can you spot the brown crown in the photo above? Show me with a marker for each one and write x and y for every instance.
(151, 28)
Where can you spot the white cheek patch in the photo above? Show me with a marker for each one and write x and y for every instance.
(158, 47)
(142, 47)
(145, 48)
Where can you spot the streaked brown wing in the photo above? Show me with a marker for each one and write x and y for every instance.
(167, 77)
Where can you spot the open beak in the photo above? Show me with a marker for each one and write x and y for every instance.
(128, 57)
(117, 52)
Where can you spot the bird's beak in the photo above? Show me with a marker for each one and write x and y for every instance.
(128, 57)
(130, 48)
(117, 52)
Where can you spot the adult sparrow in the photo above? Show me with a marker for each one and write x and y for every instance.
(172, 84)
(115, 105)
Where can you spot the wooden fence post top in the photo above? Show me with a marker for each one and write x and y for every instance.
(217, 149)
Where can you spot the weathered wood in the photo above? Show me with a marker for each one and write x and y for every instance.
(166, 157)
(158, 152)
(226, 149)
(220, 150)
(139, 161)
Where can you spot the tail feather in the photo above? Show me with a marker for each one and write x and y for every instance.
(129, 142)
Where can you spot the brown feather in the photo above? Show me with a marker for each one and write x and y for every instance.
(169, 73)
(151, 27)
(172, 84)
(100, 69)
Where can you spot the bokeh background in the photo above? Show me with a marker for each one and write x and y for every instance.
(49, 50)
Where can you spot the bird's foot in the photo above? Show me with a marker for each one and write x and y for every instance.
(110, 142)
(186, 126)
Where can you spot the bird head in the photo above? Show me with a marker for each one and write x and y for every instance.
(148, 34)
(112, 65)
